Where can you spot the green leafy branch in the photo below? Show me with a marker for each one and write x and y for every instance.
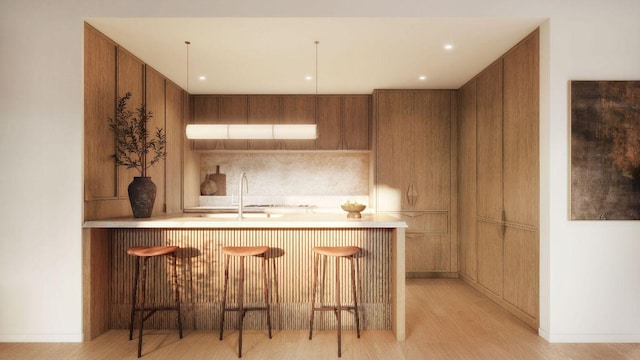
(132, 137)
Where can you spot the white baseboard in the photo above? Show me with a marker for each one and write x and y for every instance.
(589, 338)
(69, 338)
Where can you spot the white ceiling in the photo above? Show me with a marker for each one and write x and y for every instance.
(355, 55)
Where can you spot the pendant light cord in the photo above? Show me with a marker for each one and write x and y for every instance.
(187, 43)
(317, 42)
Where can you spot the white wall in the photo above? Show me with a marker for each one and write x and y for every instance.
(589, 270)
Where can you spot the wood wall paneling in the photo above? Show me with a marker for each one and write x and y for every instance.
(191, 160)
(290, 266)
(155, 101)
(130, 79)
(467, 180)
(96, 282)
(174, 164)
(100, 61)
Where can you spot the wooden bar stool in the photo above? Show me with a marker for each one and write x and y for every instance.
(346, 252)
(143, 253)
(242, 252)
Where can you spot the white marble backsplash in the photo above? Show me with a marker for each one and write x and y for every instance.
(305, 178)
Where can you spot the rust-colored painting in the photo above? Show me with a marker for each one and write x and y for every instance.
(605, 150)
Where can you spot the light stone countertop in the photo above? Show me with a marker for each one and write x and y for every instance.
(251, 220)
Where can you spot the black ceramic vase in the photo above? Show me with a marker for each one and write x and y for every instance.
(142, 195)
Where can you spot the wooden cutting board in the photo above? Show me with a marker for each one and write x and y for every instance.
(221, 182)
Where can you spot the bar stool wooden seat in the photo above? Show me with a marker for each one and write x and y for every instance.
(143, 253)
(242, 252)
(345, 252)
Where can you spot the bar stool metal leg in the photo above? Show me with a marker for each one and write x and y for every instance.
(355, 296)
(224, 293)
(133, 301)
(338, 307)
(177, 291)
(266, 292)
(313, 293)
(142, 296)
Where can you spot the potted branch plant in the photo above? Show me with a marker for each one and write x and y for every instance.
(135, 149)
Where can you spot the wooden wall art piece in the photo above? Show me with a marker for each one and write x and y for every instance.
(605, 150)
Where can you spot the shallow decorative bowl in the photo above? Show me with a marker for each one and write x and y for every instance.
(353, 210)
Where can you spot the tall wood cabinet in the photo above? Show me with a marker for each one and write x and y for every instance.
(415, 172)
(499, 251)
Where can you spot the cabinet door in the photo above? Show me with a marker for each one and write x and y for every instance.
(355, 122)
(155, 98)
(468, 258)
(427, 253)
(431, 168)
(490, 260)
(521, 132)
(489, 127)
(395, 152)
(233, 110)
(298, 109)
(521, 269)
(264, 109)
(521, 175)
(206, 110)
(329, 118)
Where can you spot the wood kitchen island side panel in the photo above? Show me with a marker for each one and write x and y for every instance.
(289, 262)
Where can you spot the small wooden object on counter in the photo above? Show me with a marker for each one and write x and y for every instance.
(143, 253)
(347, 252)
(242, 252)
(221, 182)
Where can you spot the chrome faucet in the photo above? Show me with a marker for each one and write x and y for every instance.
(243, 177)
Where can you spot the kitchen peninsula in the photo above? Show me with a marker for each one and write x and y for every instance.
(291, 237)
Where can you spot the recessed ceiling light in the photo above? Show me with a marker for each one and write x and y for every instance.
(308, 77)
(422, 77)
(202, 78)
(448, 46)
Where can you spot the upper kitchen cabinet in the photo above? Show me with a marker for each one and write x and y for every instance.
(414, 176)
(220, 109)
(343, 122)
(298, 109)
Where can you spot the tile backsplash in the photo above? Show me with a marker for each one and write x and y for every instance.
(290, 177)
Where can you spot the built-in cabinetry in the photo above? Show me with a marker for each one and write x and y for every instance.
(343, 120)
(498, 180)
(109, 72)
(414, 172)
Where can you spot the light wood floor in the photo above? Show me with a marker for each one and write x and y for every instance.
(446, 319)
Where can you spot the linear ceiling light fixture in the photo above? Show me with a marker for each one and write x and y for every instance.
(252, 131)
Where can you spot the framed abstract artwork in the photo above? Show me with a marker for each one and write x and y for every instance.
(605, 150)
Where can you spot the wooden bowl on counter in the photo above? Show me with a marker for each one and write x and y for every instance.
(353, 210)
